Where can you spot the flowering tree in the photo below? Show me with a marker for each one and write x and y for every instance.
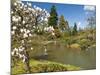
(25, 19)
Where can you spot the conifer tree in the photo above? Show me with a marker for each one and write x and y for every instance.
(63, 24)
(53, 19)
(74, 29)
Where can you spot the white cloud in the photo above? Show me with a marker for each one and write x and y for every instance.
(79, 23)
(89, 8)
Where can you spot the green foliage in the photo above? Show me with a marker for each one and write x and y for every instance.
(74, 29)
(84, 43)
(72, 37)
(53, 19)
(43, 66)
(71, 40)
(58, 33)
(63, 24)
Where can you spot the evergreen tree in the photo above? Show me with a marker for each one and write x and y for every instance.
(74, 29)
(53, 19)
(67, 25)
(63, 24)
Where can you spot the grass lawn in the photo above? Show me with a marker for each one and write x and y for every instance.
(42, 66)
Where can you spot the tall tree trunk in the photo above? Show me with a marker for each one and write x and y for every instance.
(27, 65)
(26, 53)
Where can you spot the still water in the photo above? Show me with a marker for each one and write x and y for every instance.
(86, 59)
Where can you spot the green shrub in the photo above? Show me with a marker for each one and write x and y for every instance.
(84, 43)
(58, 33)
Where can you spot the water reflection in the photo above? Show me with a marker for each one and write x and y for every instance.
(86, 59)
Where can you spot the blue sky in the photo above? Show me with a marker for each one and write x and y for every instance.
(72, 13)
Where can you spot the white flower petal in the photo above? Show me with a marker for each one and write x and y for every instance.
(12, 53)
(31, 48)
(15, 4)
(21, 30)
(28, 31)
(30, 34)
(12, 32)
(23, 22)
(25, 35)
(20, 56)
(15, 49)
(14, 27)
(29, 4)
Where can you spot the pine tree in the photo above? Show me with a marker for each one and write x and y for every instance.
(63, 24)
(53, 19)
(74, 29)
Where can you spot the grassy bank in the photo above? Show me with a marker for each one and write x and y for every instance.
(42, 66)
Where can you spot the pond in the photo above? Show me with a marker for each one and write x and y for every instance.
(86, 59)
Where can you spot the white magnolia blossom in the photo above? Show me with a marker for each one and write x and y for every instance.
(24, 30)
(12, 12)
(38, 8)
(29, 4)
(30, 34)
(25, 6)
(31, 48)
(15, 4)
(48, 15)
(23, 22)
(24, 58)
(28, 31)
(46, 19)
(12, 32)
(30, 9)
(53, 33)
(25, 35)
(49, 29)
(15, 49)
(22, 4)
(12, 53)
(34, 26)
(17, 53)
(21, 30)
(20, 56)
(21, 49)
(14, 27)
(21, 7)
(24, 15)
(16, 18)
